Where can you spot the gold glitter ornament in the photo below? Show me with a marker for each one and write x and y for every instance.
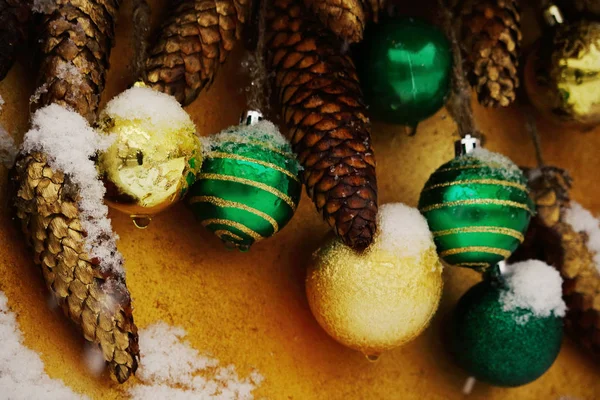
(382, 298)
(155, 156)
(562, 76)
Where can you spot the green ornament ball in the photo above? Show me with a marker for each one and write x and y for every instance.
(497, 346)
(248, 188)
(478, 209)
(404, 66)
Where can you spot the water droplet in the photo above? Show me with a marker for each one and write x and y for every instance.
(243, 248)
(141, 221)
(373, 357)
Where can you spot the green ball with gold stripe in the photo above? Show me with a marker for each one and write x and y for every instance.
(478, 209)
(248, 188)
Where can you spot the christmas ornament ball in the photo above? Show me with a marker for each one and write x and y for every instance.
(155, 155)
(478, 209)
(248, 188)
(377, 300)
(562, 74)
(404, 66)
(503, 348)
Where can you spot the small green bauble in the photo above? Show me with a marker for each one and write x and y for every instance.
(503, 348)
(248, 188)
(404, 66)
(478, 209)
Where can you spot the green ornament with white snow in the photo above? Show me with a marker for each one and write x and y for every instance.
(248, 188)
(478, 209)
(498, 338)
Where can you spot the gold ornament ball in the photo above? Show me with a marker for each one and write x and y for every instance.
(155, 155)
(384, 297)
(562, 74)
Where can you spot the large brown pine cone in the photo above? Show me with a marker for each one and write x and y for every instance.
(14, 18)
(552, 239)
(75, 40)
(491, 40)
(321, 102)
(193, 42)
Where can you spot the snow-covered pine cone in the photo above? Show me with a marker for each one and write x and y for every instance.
(76, 38)
(321, 102)
(491, 40)
(552, 239)
(14, 19)
(193, 42)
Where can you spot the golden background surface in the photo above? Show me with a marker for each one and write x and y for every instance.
(250, 309)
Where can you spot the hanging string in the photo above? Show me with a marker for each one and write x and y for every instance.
(459, 105)
(259, 88)
(141, 35)
(535, 137)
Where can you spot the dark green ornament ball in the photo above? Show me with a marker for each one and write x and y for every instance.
(404, 66)
(493, 347)
(247, 190)
(477, 210)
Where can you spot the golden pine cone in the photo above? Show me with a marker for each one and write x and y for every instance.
(14, 18)
(194, 41)
(552, 239)
(75, 44)
(321, 102)
(491, 40)
(96, 301)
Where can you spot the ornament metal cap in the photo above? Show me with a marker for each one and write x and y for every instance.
(466, 145)
(552, 15)
(251, 117)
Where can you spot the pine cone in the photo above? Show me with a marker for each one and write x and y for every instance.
(14, 18)
(491, 39)
(552, 239)
(321, 101)
(346, 18)
(194, 41)
(75, 43)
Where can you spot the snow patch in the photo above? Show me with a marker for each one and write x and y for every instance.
(583, 221)
(69, 143)
(150, 107)
(403, 229)
(535, 286)
(505, 165)
(261, 132)
(171, 369)
(22, 374)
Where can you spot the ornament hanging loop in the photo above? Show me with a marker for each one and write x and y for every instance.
(251, 117)
(466, 145)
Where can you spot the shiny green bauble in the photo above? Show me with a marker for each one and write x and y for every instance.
(478, 209)
(404, 66)
(503, 348)
(248, 188)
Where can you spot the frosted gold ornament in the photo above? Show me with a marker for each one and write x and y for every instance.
(562, 75)
(155, 156)
(382, 298)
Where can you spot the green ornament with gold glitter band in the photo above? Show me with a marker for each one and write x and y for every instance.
(248, 188)
(478, 209)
